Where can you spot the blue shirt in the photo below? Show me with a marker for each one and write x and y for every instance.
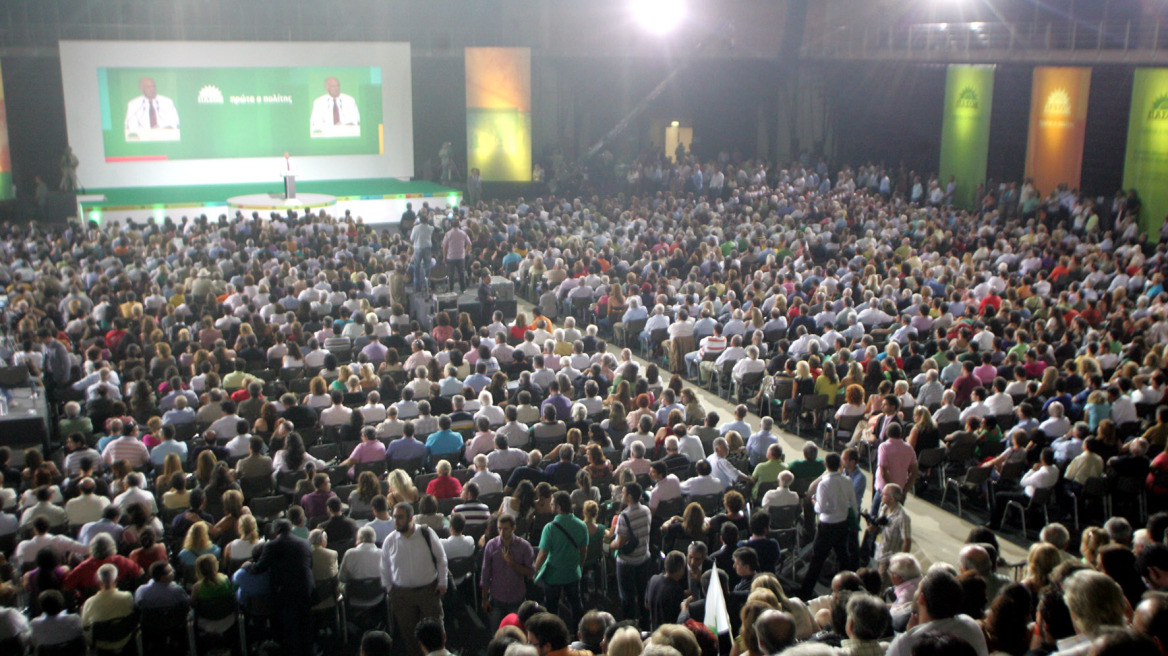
(477, 382)
(742, 427)
(859, 482)
(158, 454)
(757, 445)
(443, 442)
(248, 585)
(405, 449)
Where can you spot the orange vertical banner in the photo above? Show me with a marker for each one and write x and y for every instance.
(1058, 123)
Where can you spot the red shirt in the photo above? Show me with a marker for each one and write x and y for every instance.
(445, 487)
(85, 574)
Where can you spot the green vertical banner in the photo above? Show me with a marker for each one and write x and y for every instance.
(965, 129)
(1145, 167)
(6, 189)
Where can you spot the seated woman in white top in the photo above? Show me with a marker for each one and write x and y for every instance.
(293, 457)
(294, 358)
(240, 549)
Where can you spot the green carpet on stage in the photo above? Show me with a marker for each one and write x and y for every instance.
(378, 188)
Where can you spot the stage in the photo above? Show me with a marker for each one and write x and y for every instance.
(377, 201)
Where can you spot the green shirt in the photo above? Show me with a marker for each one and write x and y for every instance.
(767, 471)
(807, 468)
(562, 564)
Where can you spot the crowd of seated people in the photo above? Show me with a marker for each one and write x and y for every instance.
(228, 390)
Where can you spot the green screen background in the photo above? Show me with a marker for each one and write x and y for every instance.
(965, 129)
(222, 131)
(1146, 164)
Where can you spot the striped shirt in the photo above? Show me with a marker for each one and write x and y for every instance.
(474, 513)
(127, 448)
(637, 518)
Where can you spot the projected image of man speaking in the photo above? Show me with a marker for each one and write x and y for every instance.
(150, 112)
(335, 113)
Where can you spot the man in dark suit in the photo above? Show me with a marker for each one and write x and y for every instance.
(890, 416)
(291, 558)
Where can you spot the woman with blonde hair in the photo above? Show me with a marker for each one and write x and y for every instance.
(401, 488)
(205, 466)
(855, 376)
(197, 543)
(227, 528)
(211, 585)
(924, 433)
(804, 622)
(747, 641)
(1094, 539)
(689, 527)
(239, 549)
(804, 386)
(171, 465)
(369, 379)
(1041, 562)
(625, 642)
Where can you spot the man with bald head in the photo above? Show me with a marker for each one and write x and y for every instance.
(1151, 618)
(775, 630)
(150, 111)
(334, 108)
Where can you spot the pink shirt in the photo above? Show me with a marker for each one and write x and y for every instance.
(366, 451)
(895, 456)
(456, 242)
(986, 373)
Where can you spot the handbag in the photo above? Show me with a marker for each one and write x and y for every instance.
(629, 545)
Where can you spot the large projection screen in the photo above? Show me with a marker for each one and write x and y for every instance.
(143, 114)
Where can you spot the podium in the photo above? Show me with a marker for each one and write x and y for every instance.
(289, 185)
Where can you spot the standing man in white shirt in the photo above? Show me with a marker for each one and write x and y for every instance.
(834, 497)
(413, 571)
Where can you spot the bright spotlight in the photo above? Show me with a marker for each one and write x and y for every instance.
(658, 16)
(675, 124)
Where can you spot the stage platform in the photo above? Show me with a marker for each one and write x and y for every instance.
(377, 201)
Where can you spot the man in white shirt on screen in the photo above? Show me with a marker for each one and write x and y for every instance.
(334, 108)
(150, 111)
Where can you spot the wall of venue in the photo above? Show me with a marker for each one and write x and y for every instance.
(883, 112)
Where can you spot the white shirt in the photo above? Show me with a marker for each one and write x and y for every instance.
(701, 486)
(459, 546)
(322, 111)
(408, 563)
(723, 471)
(665, 489)
(691, 447)
(136, 495)
(361, 562)
(488, 482)
(748, 366)
(1000, 404)
(335, 415)
(138, 113)
(510, 459)
(834, 497)
(961, 626)
(373, 413)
